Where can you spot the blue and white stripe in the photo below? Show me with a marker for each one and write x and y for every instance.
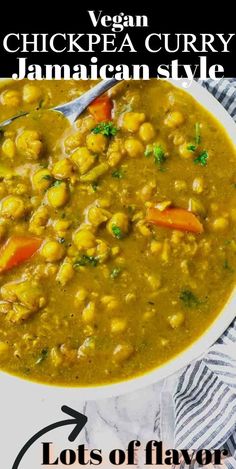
(205, 396)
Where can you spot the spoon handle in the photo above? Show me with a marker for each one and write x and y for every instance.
(74, 108)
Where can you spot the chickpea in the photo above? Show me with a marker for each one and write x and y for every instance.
(41, 180)
(120, 221)
(134, 147)
(132, 121)
(114, 158)
(103, 251)
(84, 239)
(88, 313)
(220, 224)
(73, 141)
(122, 352)
(98, 215)
(13, 207)
(174, 119)
(52, 251)
(61, 226)
(58, 195)
(9, 148)
(84, 159)
(11, 98)
(118, 325)
(184, 152)
(81, 296)
(147, 191)
(146, 132)
(29, 144)
(198, 185)
(176, 320)
(63, 169)
(39, 220)
(97, 143)
(65, 273)
(31, 93)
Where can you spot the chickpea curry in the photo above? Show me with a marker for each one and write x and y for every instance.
(118, 234)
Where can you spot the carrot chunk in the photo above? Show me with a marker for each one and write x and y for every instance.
(175, 218)
(16, 250)
(101, 108)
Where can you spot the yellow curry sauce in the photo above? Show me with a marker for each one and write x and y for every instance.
(118, 235)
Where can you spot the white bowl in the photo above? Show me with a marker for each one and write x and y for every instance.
(199, 347)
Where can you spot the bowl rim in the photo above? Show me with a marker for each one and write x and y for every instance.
(195, 351)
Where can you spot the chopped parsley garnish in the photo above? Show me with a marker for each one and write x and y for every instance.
(159, 154)
(57, 183)
(197, 133)
(191, 147)
(85, 260)
(115, 272)
(105, 128)
(117, 232)
(118, 174)
(188, 298)
(43, 355)
(94, 186)
(202, 158)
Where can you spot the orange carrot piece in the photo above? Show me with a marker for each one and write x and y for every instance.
(101, 108)
(16, 250)
(175, 218)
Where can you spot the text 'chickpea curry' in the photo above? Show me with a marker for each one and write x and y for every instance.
(118, 235)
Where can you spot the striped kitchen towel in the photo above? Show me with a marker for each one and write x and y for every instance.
(205, 396)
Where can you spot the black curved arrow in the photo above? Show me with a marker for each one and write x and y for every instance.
(79, 420)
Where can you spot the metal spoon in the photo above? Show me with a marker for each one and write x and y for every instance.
(73, 109)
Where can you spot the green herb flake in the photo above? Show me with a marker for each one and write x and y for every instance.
(159, 154)
(227, 266)
(191, 147)
(43, 355)
(85, 261)
(115, 272)
(57, 183)
(202, 158)
(117, 232)
(105, 128)
(197, 133)
(61, 240)
(48, 177)
(117, 174)
(94, 186)
(188, 298)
